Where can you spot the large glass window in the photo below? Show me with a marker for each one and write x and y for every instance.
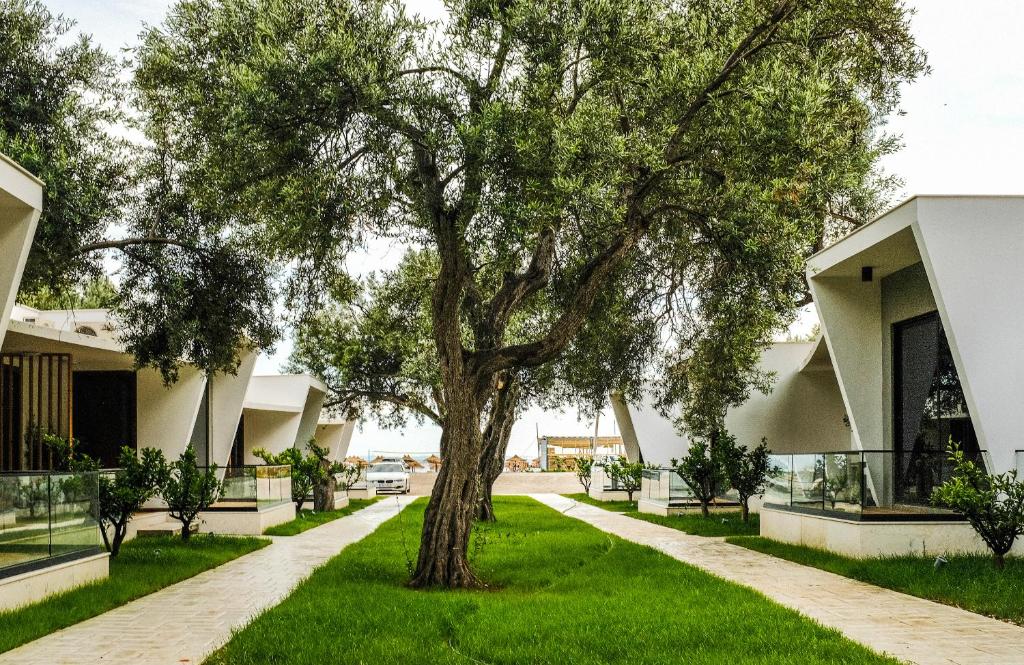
(200, 440)
(929, 408)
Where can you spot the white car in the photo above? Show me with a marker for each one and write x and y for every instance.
(389, 477)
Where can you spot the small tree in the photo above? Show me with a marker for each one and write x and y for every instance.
(746, 470)
(703, 472)
(306, 471)
(138, 480)
(120, 494)
(188, 490)
(992, 503)
(347, 475)
(626, 475)
(584, 469)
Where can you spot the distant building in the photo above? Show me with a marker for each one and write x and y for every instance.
(559, 453)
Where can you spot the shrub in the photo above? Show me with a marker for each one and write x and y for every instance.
(122, 493)
(584, 470)
(188, 490)
(306, 471)
(626, 475)
(703, 472)
(992, 503)
(746, 470)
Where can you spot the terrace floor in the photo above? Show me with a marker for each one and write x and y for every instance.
(911, 629)
(185, 622)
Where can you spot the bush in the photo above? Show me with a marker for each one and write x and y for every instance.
(307, 471)
(627, 475)
(122, 493)
(703, 472)
(746, 470)
(584, 472)
(992, 503)
(188, 490)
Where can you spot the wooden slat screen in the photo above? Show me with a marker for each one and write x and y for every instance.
(35, 398)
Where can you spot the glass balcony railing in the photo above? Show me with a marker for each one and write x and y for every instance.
(254, 486)
(878, 482)
(665, 486)
(47, 516)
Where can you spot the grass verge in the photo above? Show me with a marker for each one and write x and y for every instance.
(143, 566)
(614, 506)
(716, 525)
(307, 519)
(561, 592)
(967, 581)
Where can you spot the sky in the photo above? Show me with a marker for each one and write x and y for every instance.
(962, 128)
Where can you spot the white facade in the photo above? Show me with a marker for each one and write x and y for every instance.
(21, 202)
(280, 412)
(957, 256)
(803, 412)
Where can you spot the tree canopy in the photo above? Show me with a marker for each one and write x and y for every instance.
(666, 157)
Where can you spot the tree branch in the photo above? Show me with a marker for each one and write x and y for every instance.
(126, 243)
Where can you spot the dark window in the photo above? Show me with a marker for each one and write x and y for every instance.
(104, 414)
(929, 408)
(237, 457)
(200, 440)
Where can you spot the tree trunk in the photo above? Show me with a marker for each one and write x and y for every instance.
(186, 530)
(745, 510)
(704, 509)
(120, 532)
(444, 543)
(323, 494)
(495, 443)
(999, 561)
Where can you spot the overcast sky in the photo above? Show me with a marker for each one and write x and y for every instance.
(963, 131)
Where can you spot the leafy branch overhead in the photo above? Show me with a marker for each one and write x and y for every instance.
(676, 161)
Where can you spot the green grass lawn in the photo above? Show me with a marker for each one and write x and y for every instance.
(143, 566)
(561, 592)
(307, 519)
(717, 524)
(967, 581)
(614, 506)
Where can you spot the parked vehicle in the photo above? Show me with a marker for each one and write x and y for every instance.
(389, 477)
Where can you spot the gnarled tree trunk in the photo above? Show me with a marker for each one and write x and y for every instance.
(444, 543)
(495, 442)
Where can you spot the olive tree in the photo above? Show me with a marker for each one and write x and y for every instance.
(746, 470)
(992, 503)
(188, 490)
(546, 152)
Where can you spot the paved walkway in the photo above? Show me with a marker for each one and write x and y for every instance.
(184, 623)
(909, 628)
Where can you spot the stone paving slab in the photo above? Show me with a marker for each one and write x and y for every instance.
(183, 623)
(909, 628)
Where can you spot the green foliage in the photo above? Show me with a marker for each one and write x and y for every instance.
(121, 493)
(746, 470)
(584, 468)
(62, 96)
(631, 137)
(554, 158)
(992, 503)
(545, 564)
(95, 293)
(626, 475)
(188, 490)
(703, 471)
(138, 479)
(308, 471)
